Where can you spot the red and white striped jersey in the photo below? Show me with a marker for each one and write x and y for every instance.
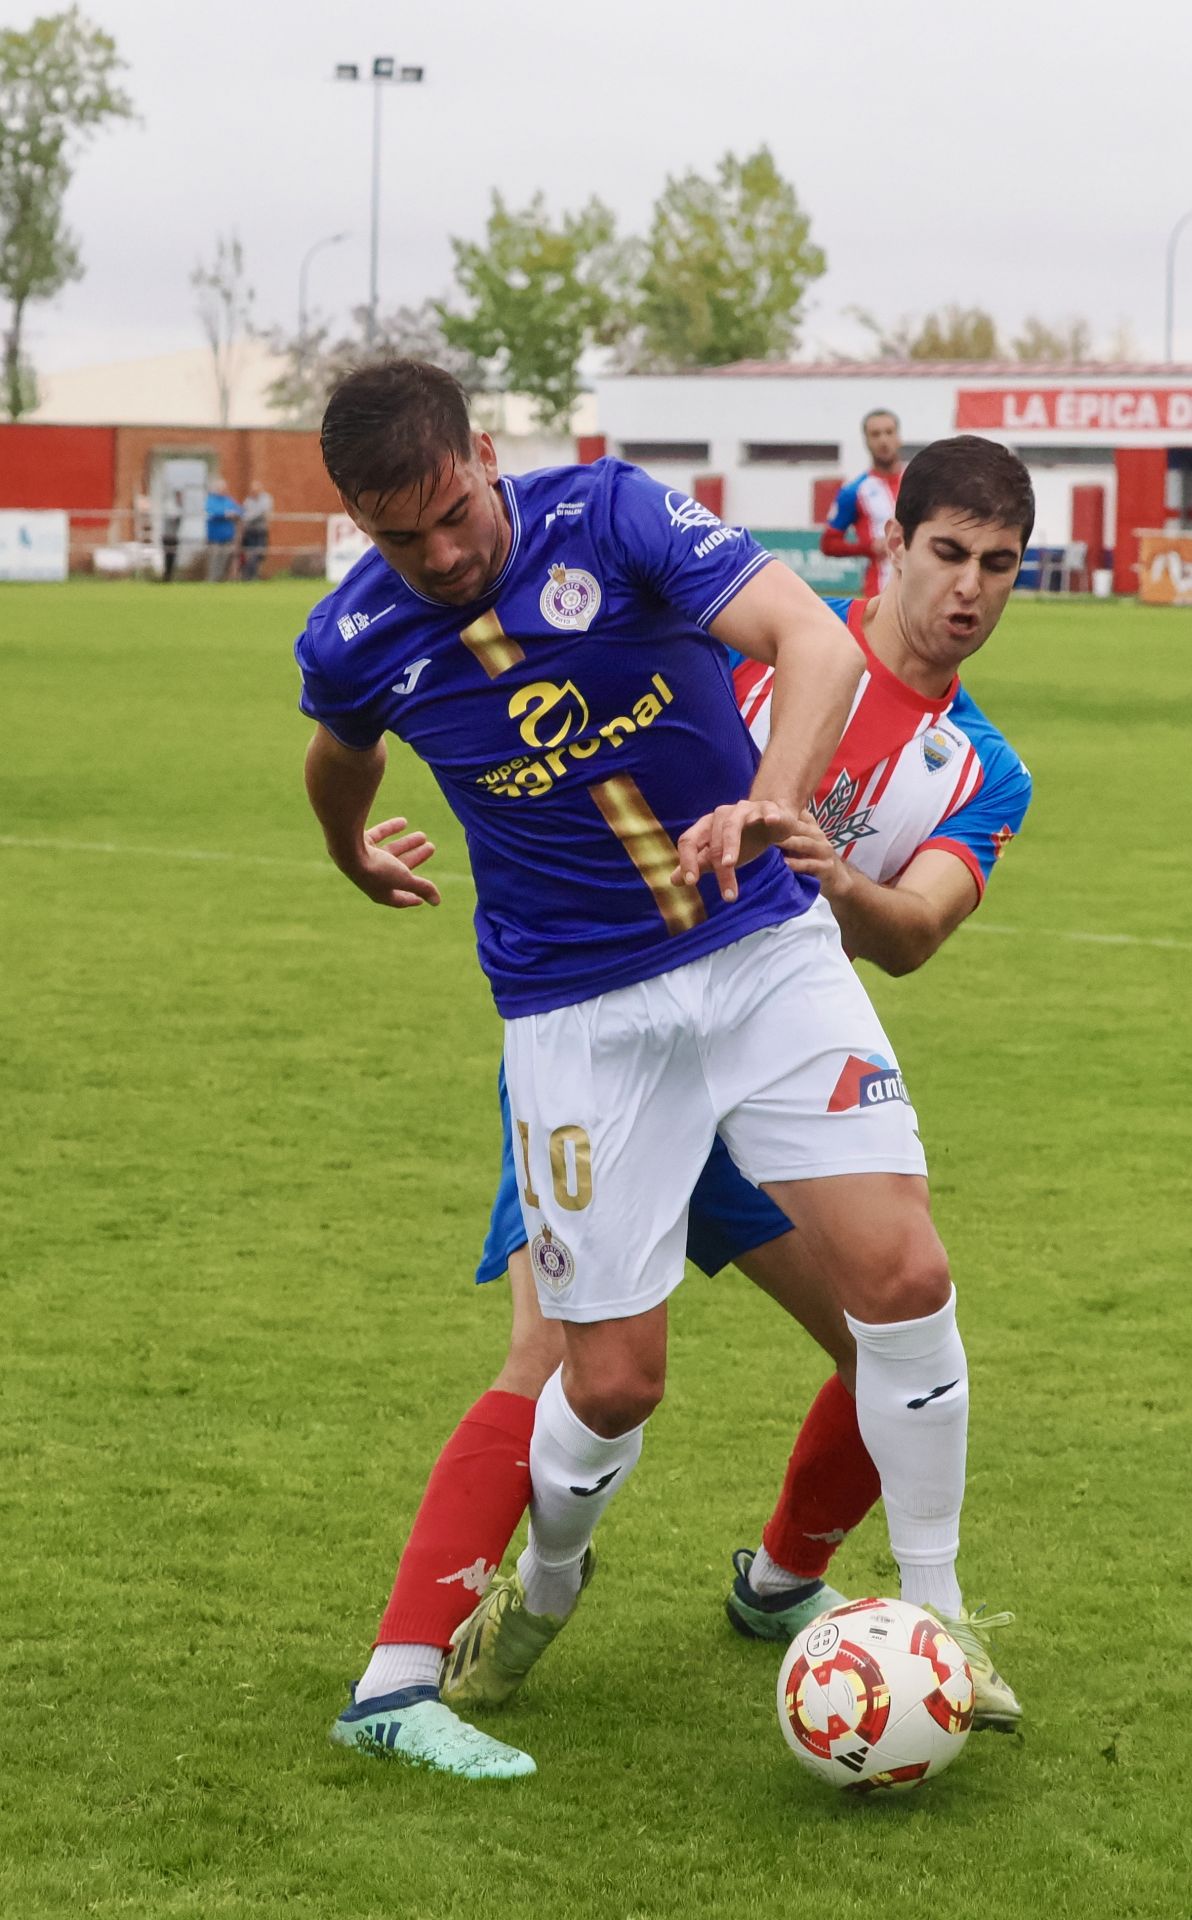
(911, 771)
(863, 508)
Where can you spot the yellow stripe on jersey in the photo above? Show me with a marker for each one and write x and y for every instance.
(651, 850)
(488, 641)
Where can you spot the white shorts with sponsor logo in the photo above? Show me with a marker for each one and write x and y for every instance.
(615, 1103)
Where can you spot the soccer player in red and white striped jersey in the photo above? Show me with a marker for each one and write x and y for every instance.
(863, 509)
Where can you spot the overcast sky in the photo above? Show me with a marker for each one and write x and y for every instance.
(1026, 156)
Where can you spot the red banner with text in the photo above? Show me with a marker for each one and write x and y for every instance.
(1076, 409)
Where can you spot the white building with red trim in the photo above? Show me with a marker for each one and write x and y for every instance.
(1109, 447)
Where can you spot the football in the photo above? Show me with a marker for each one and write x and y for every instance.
(875, 1695)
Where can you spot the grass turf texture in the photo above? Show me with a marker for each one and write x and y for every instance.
(250, 1143)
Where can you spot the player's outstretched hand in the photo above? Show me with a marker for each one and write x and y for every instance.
(722, 841)
(388, 875)
(810, 851)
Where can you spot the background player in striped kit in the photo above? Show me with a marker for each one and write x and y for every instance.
(862, 510)
(921, 798)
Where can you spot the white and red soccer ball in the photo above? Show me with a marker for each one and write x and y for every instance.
(875, 1695)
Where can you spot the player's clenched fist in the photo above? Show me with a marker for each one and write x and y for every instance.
(722, 841)
(387, 872)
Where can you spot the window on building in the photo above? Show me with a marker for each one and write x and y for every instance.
(642, 452)
(1065, 456)
(791, 453)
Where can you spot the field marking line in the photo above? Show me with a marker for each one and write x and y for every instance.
(220, 856)
(31, 845)
(1086, 939)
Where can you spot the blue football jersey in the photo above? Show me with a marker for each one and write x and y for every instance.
(577, 717)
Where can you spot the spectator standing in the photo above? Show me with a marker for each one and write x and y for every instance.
(222, 515)
(866, 504)
(254, 531)
(171, 533)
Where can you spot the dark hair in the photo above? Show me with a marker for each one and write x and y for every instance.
(390, 427)
(881, 413)
(978, 478)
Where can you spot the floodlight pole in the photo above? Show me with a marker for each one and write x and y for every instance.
(1169, 317)
(375, 225)
(385, 73)
(332, 240)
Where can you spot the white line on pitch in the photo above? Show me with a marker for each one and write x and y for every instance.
(1087, 939)
(461, 879)
(187, 853)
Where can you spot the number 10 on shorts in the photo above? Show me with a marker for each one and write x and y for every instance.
(570, 1168)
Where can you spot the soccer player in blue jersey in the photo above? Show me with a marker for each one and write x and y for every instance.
(920, 801)
(546, 645)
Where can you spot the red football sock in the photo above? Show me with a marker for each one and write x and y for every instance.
(476, 1494)
(830, 1485)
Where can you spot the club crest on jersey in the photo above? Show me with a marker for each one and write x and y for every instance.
(938, 748)
(570, 599)
(867, 1083)
(552, 1261)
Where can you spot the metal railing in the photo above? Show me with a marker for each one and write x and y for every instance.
(125, 542)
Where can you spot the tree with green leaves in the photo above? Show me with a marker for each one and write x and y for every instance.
(58, 87)
(953, 333)
(316, 361)
(538, 293)
(729, 261)
(971, 333)
(1070, 340)
(224, 302)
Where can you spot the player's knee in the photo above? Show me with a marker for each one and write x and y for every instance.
(616, 1397)
(916, 1288)
(911, 1283)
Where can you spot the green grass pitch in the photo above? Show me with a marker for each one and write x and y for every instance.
(250, 1137)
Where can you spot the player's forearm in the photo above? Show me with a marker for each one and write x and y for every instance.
(845, 544)
(894, 928)
(341, 786)
(815, 678)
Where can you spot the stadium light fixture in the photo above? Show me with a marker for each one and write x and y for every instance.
(1169, 310)
(385, 72)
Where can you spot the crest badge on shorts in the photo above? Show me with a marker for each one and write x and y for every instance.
(570, 599)
(552, 1261)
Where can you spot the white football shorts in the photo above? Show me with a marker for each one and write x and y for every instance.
(615, 1103)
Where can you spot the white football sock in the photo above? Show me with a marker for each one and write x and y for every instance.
(766, 1576)
(574, 1474)
(399, 1665)
(912, 1409)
